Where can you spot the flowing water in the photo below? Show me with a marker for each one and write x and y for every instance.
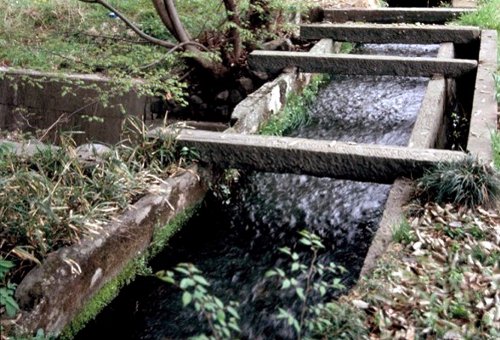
(235, 245)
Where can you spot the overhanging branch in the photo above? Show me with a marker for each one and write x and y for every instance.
(132, 26)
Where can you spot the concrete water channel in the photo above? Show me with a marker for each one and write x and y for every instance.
(450, 74)
(462, 71)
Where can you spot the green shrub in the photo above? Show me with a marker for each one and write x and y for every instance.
(306, 278)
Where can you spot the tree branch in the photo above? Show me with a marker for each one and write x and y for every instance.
(130, 24)
(176, 21)
(163, 14)
(169, 16)
(172, 50)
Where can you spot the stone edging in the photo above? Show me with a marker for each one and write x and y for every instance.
(483, 119)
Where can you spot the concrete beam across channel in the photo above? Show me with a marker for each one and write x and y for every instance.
(352, 64)
(391, 33)
(360, 162)
(395, 15)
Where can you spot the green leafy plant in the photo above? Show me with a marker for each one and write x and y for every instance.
(319, 280)
(7, 302)
(222, 319)
(469, 183)
(308, 282)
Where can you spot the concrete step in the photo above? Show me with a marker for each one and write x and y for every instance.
(361, 162)
(395, 15)
(391, 33)
(353, 64)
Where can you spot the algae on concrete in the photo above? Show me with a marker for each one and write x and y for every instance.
(135, 267)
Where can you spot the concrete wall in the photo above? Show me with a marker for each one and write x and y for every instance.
(31, 100)
(483, 120)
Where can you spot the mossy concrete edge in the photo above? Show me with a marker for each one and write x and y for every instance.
(106, 261)
(134, 268)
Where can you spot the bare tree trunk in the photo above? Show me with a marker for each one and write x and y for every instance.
(234, 33)
(180, 31)
(163, 14)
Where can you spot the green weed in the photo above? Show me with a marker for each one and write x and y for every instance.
(403, 233)
(487, 16)
(294, 114)
(495, 138)
(8, 305)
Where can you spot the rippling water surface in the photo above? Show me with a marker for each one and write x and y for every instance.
(235, 245)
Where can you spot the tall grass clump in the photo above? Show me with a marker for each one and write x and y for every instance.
(467, 183)
(53, 199)
(486, 16)
(403, 233)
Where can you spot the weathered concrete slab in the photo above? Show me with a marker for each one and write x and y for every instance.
(430, 120)
(391, 34)
(395, 15)
(361, 162)
(359, 64)
(393, 215)
(483, 120)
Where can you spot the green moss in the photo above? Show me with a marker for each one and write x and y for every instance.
(138, 266)
(105, 296)
(162, 235)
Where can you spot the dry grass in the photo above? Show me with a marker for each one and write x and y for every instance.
(53, 199)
